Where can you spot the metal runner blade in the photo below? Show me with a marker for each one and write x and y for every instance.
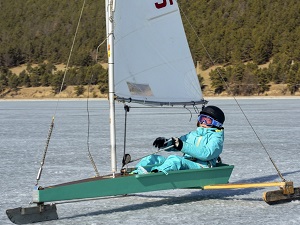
(34, 214)
(277, 197)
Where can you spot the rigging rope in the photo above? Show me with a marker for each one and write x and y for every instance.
(126, 108)
(88, 136)
(60, 90)
(228, 88)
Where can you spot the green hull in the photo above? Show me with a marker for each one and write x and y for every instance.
(127, 184)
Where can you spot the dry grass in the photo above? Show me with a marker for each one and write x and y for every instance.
(69, 92)
(46, 92)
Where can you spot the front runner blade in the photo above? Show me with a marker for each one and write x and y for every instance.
(34, 214)
(277, 197)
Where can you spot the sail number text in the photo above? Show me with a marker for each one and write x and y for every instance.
(163, 4)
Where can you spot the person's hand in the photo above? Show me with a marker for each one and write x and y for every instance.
(177, 143)
(159, 142)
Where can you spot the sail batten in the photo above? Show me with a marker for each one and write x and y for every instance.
(153, 62)
(157, 16)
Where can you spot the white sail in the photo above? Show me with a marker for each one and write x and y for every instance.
(152, 59)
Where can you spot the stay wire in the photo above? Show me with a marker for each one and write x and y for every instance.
(60, 90)
(70, 54)
(228, 88)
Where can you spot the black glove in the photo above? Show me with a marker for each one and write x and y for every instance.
(159, 142)
(177, 143)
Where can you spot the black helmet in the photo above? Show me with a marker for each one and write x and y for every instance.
(214, 112)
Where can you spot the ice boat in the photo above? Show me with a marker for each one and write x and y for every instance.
(150, 63)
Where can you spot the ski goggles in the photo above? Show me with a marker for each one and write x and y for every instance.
(208, 121)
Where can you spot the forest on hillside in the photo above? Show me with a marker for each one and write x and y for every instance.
(240, 35)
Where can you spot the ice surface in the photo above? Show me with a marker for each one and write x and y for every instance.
(24, 129)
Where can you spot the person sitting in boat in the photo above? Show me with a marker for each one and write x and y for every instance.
(201, 148)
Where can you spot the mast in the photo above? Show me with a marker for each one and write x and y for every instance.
(110, 4)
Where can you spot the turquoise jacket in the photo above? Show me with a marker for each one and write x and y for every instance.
(203, 145)
(201, 149)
